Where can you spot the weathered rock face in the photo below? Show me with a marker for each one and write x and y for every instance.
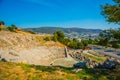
(28, 48)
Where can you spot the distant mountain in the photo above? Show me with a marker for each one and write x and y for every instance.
(50, 30)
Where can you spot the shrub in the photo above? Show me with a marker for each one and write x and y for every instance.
(14, 26)
(115, 45)
(31, 32)
(59, 36)
(11, 29)
(2, 23)
(48, 38)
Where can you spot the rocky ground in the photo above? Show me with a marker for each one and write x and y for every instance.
(94, 59)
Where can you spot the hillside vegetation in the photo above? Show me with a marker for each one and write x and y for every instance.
(19, 71)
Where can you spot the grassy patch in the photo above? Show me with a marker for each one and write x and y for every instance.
(95, 58)
(19, 71)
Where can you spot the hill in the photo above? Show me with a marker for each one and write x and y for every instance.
(50, 30)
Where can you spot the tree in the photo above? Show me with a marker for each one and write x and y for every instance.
(55, 37)
(116, 34)
(2, 23)
(105, 37)
(58, 36)
(110, 37)
(85, 42)
(112, 12)
(66, 41)
(48, 38)
(11, 29)
(14, 26)
(74, 43)
(30, 31)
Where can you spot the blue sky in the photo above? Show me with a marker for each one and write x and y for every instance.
(56, 13)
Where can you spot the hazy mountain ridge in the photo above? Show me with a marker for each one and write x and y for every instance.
(50, 30)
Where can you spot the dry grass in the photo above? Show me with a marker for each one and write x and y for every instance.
(11, 71)
(52, 43)
(19, 71)
(21, 31)
(2, 26)
(95, 58)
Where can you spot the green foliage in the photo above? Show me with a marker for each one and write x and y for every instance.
(48, 38)
(14, 26)
(86, 42)
(116, 45)
(95, 41)
(55, 37)
(31, 32)
(66, 41)
(11, 29)
(112, 12)
(58, 36)
(116, 34)
(74, 43)
(14, 71)
(110, 37)
(2, 23)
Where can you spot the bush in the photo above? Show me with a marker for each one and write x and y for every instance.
(14, 26)
(2, 23)
(59, 36)
(85, 42)
(11, 29)
(31, 32)
(66, 41)
(115, 45)
(48, 38)
(55, 37)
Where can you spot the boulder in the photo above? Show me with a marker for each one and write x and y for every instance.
(80, 65)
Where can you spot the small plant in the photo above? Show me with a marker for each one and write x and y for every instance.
(2, 23)
(31, 32)
(11, 29)
(48, 38)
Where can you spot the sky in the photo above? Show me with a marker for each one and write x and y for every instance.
(54, 13)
